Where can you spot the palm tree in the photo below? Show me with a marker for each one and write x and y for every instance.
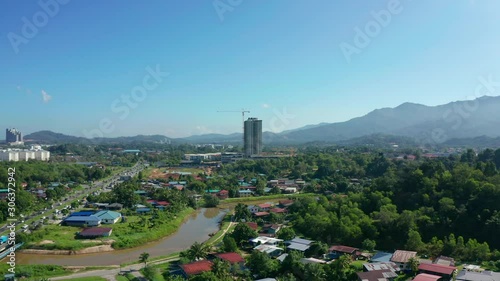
(221, 269)
(144, 258)
(197, 251)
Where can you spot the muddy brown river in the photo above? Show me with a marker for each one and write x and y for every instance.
(195, 229)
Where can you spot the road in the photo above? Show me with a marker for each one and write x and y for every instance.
(110, 274)
(96, 186)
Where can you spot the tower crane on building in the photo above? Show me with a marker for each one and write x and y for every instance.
(243, 111)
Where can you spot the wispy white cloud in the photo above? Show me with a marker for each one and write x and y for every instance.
(46, 97)
(265, 105)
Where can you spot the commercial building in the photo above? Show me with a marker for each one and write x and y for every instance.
(13, 137)
(252, 137)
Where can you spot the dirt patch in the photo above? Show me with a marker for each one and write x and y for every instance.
(90, 250)
(44, 242)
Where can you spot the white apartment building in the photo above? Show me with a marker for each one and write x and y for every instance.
(24, 155)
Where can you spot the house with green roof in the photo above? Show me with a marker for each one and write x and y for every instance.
(108, 217)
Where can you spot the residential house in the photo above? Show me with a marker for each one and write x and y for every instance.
(339, 250)
(195, 268)
(93, 232)
(444, 261)
(115, 206)
(264, 240)
(245, 193)
(223, 194)
(426, 277)
(278, 210)
(271, 250)
(234, 259)
(264, 207)
(261, 214)
(253, 225)
(253, 209)
(312, 260)
(108, 217)
(141, 192)
(466, 275)
(285, 203)
(381, 266)
(271, 229)
(381, 257)
(445, 271)
(402, 259)
(298, 244)
(81, 221)
(377, 275)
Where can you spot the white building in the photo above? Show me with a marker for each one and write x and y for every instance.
(8, 155)
(24, 155)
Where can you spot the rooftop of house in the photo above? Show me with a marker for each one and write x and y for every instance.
(266, 205)
(403, 256)
(261, 214)
(300, 241)
(426, 277)
(343, 249)
(231, 257)
(381, 257)
(297, 246)
(437, 268)
(81, 218)
(466, 275)
(107, 215)
(381, 265)
(197, 267)
(95, 231)
(376, 275)
(253, 225)
(265, 240)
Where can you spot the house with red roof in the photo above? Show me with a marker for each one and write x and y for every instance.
(261, 214)
(253, 225)
(265, 207)
(278, 210)
(93, 232)
(196, 268)
(223, 194)
(339, 250)
(232, 258)
(445, 271)
(426, 277)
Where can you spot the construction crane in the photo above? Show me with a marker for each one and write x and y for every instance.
(243, 111)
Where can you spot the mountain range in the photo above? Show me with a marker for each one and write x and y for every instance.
(446, 123)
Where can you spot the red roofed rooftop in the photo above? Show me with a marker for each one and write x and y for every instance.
(261, 214)
(253, 225)
(343, 249)
(197, 267)
(231, 257)
(437, 268)
(426, 277)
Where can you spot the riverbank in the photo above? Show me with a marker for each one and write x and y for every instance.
(60, 240)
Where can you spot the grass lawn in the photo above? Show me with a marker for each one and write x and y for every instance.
(121, 278)
(35, 270)
(217, 238)
(358, 264)
(93, 278)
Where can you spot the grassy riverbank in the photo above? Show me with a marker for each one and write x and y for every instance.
(124, 235)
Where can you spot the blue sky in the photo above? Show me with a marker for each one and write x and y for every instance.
(274, 58)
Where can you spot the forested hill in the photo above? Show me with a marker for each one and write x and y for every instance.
(445, 206)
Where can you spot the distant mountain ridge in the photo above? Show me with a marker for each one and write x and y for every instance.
(426, 124)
